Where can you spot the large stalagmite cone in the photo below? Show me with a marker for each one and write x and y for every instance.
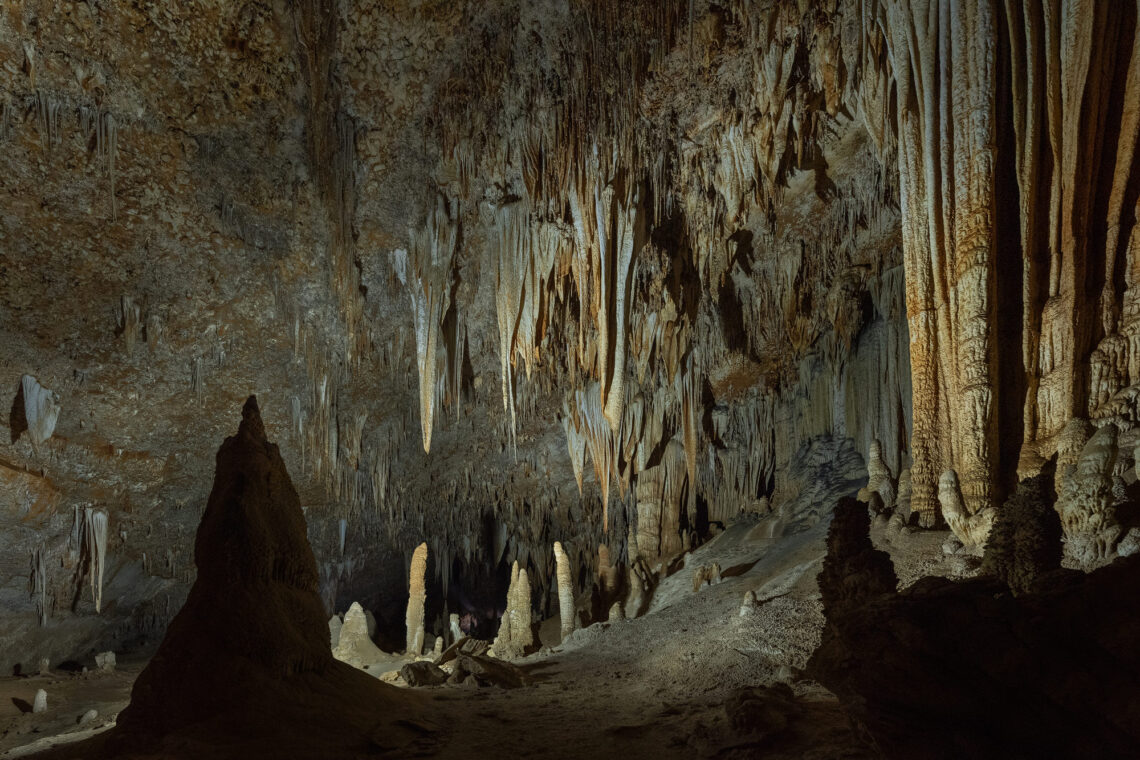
(247, 661)
(503, 638)
(565, 590)
(416, 594)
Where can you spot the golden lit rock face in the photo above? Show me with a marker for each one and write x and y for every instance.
(618, 263)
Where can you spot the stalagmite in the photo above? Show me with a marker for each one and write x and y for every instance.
(354, 646)
(902, 500)
(879, 475)
(1086, 504)
(515, 636)
(456, 631)
(414, 618)
(565, 590)
(39, 704)
(971, 530)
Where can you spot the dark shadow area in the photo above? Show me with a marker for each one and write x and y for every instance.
(21, 705)
(17, 421)
(736, 570)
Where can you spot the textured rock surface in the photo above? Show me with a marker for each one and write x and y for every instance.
(1025, 541)
(635, 255)
(1087, 505)
(414, 617)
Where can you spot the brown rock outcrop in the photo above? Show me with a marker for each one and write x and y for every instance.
(246, 668)
(952, 669)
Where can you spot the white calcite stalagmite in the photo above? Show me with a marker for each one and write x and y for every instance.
(565, 590)
(354, 646)
(453, 626)
(416, 595)
(971, 529)
(39, 704)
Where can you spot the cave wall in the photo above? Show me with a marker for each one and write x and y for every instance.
(509, 273)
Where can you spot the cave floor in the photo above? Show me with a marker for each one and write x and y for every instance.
(692, 677)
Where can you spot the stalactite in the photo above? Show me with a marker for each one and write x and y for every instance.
(426, 273)
(41, 409)
(95, 532)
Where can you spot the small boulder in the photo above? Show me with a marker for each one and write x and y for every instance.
(39, 704)
(423, 673)
(105, 661)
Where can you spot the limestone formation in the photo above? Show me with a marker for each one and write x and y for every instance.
(41, 409)
(1025, 541)
(453, 624)
(617, 613)
(105, 661)
(1086, 504)
(354, 646)
(252, 639)
(706, 574)
(566, 607)
(902, 668)
(414, 619)
(39, 704)
(422, 674)
(335, 624)
(902, 500)
(971, 529)
(853, 570)
(697, 254)
(879, 475)
(515, 635)
(95, 531)
(749, 605)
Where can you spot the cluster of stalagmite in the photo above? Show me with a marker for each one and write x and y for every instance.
(1087, 502)
(617, 232)
(354, 643)
(515, 635)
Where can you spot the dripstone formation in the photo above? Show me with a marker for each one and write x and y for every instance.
(248, 658)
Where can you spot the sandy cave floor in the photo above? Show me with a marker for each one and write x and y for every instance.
(652, 687)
